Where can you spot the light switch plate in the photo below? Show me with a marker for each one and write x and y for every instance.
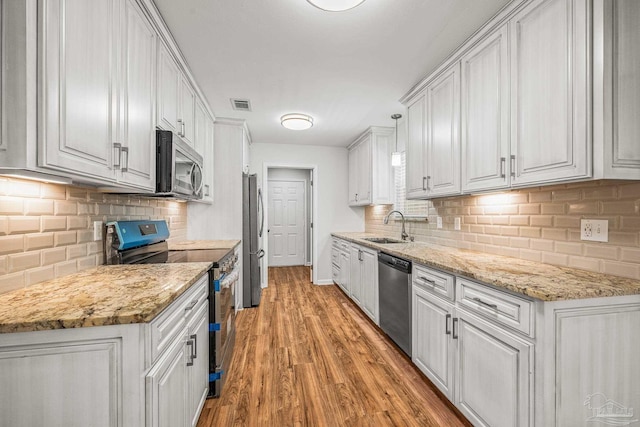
(97, 230)
(595, 230)
(439, 222)
(456, 223)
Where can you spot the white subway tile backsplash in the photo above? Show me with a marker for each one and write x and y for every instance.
(24, 224)
(11, 244)
(541, 224)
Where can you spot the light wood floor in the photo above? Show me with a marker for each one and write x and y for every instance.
(308, 357)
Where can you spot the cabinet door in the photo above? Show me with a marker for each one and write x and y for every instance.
(623, 158)
(443, 134)
(207, 188)
(138, 166)
(493, 384)
(364, 172)
(432, 351)
(549, 95)
(369, 282)
(168, 90)
(416, 176)
(382, 177)
(353, 177)
(187, 111)
(345, 267)
(355, 273)
(79, 86)
(485, 114)
(198, 373)
(200, 138)
(167, 388)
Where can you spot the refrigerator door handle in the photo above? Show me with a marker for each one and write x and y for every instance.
(261, 207)
(260, 253)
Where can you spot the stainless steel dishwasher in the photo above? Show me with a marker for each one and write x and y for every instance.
(394, 282)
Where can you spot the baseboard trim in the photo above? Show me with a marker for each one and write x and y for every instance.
(324, 282)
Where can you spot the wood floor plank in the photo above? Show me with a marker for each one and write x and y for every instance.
(307, 356)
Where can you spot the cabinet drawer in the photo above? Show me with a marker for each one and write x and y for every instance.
(441, 284)
(501, 307)
(335, 274)
(335, 256)
(172, 320)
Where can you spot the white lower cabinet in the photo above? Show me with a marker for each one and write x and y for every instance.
(355, 270)
(147, 374)
(493, 373)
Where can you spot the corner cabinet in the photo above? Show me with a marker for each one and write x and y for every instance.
(370, 171)
(97, 114)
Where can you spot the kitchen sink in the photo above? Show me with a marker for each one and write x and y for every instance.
(383, 240)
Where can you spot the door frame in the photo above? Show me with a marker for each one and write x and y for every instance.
(305, 182)
(314, 215)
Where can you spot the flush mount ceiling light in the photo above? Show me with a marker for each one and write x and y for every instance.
(296, 121)
(335, 5)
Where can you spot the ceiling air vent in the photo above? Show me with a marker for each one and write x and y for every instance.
(241, 104)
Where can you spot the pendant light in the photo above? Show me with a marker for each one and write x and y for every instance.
(396, 156)
(335, 5)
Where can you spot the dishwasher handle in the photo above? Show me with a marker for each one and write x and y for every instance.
(394, 262)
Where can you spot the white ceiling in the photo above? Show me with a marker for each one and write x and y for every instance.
(346, 69)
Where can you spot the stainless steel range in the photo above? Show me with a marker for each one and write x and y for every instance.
(144, 242)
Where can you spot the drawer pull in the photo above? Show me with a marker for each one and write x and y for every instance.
(486, 304)
(455, 331)
(447, 331)
(429, 281)
(194, 337)
(190, 344)
(191, 305)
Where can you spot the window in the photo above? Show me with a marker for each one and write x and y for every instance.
(407, 207)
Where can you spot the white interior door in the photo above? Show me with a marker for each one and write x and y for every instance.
(287, 225)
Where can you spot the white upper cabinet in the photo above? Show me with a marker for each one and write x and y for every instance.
(443, 133)
(187, 111)
(485, 114)
(139, 142)
(79, 87)
(200, 120)
(370, 172)
(98, 92)
(549, 92)
(416, 159)
(168, 90)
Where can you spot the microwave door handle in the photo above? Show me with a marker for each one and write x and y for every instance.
(195, 165)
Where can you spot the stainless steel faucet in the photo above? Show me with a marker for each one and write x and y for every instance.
(404, 234)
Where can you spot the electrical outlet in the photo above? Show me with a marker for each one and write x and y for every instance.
(97, 230)
(595, 230)
(456, 224)
(439, 222)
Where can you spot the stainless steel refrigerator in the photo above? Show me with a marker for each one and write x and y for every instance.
(252, 227)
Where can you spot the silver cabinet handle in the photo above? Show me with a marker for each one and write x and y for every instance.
(125, 156)
(183, 131)
(117, 148)
(190, 344)
(447, 331)
(512, 164)
(206, 190)
(428, 179)
(191, 305)
(429, 281)
(356, 197)
(486, 304)
(503, 162)
(455, 330)
(194, 337)
(424, 185)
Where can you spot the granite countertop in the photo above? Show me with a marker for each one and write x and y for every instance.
(188, 245)
(537, 280)
(104, 295)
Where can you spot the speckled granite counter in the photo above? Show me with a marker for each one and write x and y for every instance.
(537, 280)
(188, 245)
(105, 295)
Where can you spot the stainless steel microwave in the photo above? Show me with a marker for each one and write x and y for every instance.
(178, 167)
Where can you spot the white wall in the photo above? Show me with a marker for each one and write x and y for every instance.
(334, 213)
